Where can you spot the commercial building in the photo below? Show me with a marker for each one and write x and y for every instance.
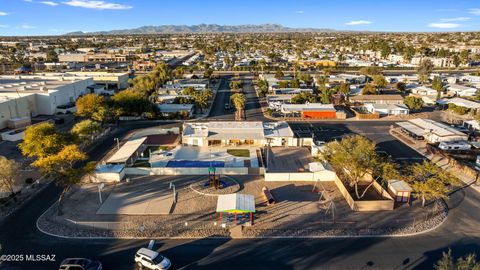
(312, 111)
(238, 133)
(117, 80)
(432, 131)
(31, 95)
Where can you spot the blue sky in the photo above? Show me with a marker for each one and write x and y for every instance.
(53, 17)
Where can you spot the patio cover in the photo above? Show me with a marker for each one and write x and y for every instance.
(126, 151)
(236, 203)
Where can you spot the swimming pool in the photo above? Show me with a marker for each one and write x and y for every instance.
(194, 164)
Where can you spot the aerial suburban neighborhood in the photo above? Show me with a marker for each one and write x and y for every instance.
(342, 141)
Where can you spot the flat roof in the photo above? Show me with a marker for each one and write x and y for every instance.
(236, 203)
(435, 127)
(109, 168)
(126, 151)
(463, 102)
(377, 97)
(308, 107)
(33, 83)
(412, 128)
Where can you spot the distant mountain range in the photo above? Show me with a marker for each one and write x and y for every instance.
(204, 28)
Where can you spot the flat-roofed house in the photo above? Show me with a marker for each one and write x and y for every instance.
(431, 130)
(237, 133)
(462, 90)
(376, 99)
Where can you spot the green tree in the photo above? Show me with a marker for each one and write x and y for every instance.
(262, 88)
(279, 75)
(60, 166)
(303, 97)
(344, 88)
(91, 106)
(86, 129)
(380, 81)
(295, 83)
(132, 103)
(456, 61)
(464, 57)
(8, 174)
(408, 53)
(42, 140)
(437, 85)
(355, 158)
(369, 89)
(238, 101)
(326, 95)
(424, 70)
(413, 103)
(52, 56)
(465, 263)
(400, 86)
(429, 182)
(370, 71)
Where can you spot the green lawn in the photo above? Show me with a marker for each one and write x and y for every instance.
(141, 163)
(239, 152)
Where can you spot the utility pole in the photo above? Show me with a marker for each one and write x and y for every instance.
(118, 143)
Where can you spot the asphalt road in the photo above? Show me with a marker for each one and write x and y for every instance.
(222, 97)
(459, 232)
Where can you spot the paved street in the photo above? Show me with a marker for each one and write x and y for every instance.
(460, 232)
(218, 111)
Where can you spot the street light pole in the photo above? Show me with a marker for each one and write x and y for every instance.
(118, 143)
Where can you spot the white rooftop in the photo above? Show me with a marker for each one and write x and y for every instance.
(126, 151)
(435, 127)
(236, 203)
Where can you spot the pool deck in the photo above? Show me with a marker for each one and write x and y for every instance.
(195, 153)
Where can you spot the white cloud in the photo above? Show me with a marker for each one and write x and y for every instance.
(444, 25)
(96, 4)
(474, 11)
(29, 1)
(3, 13)
(4, 26)
(299, 11)
(361, 22)
(458, 19)
(27, 26)
(49, 3)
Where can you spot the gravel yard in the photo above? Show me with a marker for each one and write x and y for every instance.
(300, 210)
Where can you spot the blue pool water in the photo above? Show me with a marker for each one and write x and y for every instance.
(194, 164)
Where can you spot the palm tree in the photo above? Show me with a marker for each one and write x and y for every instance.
(239, 101)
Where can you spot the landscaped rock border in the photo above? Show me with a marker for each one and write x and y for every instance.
(50, 223)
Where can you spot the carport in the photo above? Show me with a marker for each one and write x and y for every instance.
(236, 204)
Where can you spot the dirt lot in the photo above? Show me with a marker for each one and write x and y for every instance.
(300, 209)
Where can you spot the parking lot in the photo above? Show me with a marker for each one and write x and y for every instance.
(377, 131)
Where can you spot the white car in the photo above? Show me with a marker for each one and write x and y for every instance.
(149, 259)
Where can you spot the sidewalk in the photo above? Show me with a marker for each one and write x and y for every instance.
(444, 163)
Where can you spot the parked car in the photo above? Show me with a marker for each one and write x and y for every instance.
(59, 120)
(149, 259)
(80, 264)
